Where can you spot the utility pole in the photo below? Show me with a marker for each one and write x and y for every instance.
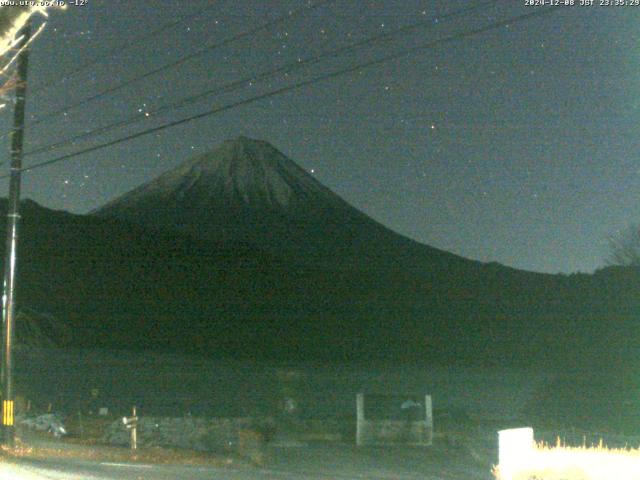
(13, 217)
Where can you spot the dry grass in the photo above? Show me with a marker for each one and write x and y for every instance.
(40, 446)
(577, 463)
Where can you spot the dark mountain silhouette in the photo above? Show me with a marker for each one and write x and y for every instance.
(240, 253)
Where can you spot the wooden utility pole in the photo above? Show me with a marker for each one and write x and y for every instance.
(13, 218)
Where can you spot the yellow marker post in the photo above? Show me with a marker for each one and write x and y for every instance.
(7, 413)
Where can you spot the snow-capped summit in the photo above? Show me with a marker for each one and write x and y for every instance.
(240, 173)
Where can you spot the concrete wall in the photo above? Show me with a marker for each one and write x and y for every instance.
(387, 432)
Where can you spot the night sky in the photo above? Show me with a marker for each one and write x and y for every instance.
(517, 145)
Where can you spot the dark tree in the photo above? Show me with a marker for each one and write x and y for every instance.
(625, 248)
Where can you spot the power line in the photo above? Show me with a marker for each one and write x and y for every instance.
(287, 68)
(176, 63)
(295, 86)
(117, 50)
(337, 73)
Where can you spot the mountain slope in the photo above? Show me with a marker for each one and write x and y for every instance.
(346, 283)
(117, 285)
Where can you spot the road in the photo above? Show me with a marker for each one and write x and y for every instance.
(73, 470)
(309, 462)
(112, 471)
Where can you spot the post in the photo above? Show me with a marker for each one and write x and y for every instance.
(516, 448)
(13, 217)
(360, 427)
(131, 423)
(80, 424)
(134, 430)
(428, 407)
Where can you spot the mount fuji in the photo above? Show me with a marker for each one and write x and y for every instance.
(247, 192)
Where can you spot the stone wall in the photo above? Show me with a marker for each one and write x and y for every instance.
(204, 434)
(227, 434)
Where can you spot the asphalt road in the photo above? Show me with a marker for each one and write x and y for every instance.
(71, 470)
(113, 471)
(309, 462)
